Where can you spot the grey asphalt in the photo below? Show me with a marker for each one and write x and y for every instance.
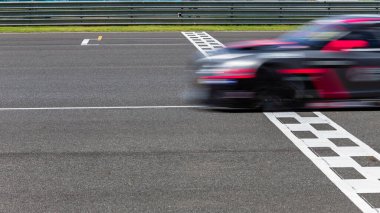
(143, 160)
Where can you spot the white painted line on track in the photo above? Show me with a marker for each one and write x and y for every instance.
(181, 44)
(338, 157)
(326, 163)
(203, 42)
(145, 38)
(99, 107)
(85, 42)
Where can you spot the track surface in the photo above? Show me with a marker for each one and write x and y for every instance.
(144, 160)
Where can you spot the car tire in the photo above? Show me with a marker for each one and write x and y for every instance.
(271, 99)
(274, 94)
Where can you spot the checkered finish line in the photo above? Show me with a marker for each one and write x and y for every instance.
(203, 42)
(348, 162)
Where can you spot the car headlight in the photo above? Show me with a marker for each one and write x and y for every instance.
(227, 65)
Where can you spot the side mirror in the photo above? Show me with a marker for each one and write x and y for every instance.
(342, 45)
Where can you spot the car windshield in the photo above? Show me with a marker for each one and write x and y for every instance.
(315, 35)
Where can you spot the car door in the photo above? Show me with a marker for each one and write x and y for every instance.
(361, 78)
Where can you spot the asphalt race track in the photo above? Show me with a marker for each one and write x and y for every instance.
(102, 128)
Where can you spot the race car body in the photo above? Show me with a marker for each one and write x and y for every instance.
(333, 62)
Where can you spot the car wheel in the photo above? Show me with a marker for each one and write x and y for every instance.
(275, 93)
(272, 100)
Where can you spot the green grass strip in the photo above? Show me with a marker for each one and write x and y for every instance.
(146, 28)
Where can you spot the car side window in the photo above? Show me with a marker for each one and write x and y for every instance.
(368, 36)
(376, 32)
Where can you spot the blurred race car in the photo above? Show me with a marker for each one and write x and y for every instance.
(329, 63)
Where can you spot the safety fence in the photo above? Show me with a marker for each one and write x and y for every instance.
(192, 12)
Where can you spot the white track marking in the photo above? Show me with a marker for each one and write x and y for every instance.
(181, 44)
(85, 42)
(145, 38)
(344, 155)
(351, 188)
(203, 42)
(104, 107)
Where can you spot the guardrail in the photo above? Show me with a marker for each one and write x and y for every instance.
(200, 12)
